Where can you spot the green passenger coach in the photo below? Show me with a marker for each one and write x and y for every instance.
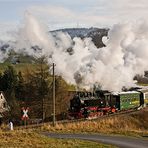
(129, 100)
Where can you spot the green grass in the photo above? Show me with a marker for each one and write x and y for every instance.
(32, 139)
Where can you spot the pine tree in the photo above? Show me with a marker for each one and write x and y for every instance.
(9, 84)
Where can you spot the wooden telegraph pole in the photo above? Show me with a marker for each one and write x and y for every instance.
(53, 94)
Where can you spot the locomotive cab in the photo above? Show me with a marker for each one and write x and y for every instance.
(75, 104)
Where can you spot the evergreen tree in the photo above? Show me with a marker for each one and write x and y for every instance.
(9, 80)
(20, 88)
(38, 83)
(1, 86)
(9, 84)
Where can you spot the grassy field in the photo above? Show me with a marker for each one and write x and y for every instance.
(31, 139)
(135, 124)
(19, 67)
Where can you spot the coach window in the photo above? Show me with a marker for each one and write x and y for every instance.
(128, 100)
(4, 105)
(81, 94)
(124, 100)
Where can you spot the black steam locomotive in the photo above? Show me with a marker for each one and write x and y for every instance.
(102, 102)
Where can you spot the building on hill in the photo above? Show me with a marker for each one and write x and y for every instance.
(3, 103)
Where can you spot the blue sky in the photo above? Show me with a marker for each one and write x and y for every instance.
(66, 13)
(13, 10)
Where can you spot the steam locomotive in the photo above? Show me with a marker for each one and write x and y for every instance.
(102, 102)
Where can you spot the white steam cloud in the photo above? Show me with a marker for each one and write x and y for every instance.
(81, 62)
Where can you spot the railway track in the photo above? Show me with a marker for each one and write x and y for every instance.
(39, 125)
(100, 117)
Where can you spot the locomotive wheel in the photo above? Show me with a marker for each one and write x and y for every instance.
(113, 110)
(100, 113)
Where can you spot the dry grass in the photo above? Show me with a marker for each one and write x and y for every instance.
(31, 139)
(133, 124)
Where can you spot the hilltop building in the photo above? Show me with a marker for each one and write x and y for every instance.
(3, 103)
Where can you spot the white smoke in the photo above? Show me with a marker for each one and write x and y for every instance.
(80, 62)
(7, 39)
(124, 56)
(32, 34)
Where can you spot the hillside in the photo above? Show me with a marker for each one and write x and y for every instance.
(9, 56)
(95, 33)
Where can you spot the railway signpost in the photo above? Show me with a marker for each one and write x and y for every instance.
(25, 116)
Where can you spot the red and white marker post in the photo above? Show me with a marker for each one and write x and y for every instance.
(25, 116)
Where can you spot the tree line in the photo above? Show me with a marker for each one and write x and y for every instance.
(33, 89)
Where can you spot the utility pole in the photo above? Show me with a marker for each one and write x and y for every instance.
(43, 106)
(53, 94)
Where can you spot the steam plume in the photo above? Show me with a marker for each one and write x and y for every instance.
(80, 62)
